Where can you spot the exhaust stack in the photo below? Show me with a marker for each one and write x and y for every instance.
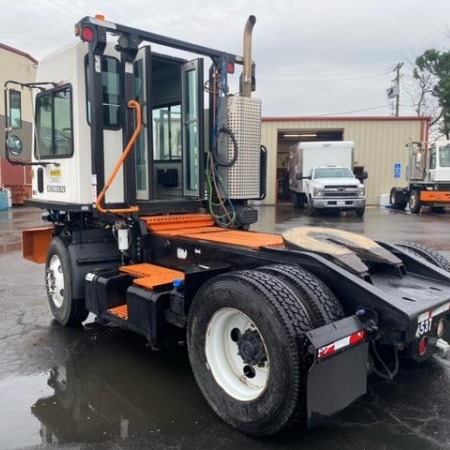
(246, 80)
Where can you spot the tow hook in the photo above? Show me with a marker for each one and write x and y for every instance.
(443, 348)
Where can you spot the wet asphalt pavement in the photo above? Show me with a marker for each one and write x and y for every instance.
(101, 387)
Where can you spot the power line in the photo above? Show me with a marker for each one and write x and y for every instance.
(353, 111)
(322, 73)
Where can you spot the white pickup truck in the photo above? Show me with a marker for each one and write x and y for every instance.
(321, 177)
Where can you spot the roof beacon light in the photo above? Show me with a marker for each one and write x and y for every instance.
(230, 67)
(87, 34)
(100, 17)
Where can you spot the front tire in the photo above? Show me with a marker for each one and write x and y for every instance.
(58, 282)
(360, 212)
(312, 212)
(248, 352)
(299, 201)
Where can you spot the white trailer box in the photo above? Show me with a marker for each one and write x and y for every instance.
(321, 176)
(305, 156)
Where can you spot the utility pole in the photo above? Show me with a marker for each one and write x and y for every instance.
(397, 87)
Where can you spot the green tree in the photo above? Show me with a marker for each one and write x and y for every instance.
(432, 73)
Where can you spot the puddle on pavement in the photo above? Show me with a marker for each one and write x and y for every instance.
(18, 427)
(112, 388)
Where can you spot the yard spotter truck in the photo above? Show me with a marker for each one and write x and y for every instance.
(428, 178)
(147, 194)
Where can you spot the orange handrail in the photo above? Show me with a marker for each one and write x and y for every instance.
(98, 203)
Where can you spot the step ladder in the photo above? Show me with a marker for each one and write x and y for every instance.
(150, 277)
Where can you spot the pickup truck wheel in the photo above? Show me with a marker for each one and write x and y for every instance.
(360, 212)
(58, 282)
(248, 352)
(312, 212)
(299, 201)
(426, 253)
(320, 301)
(414, 201)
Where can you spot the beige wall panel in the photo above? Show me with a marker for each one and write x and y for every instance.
(19, 68)
(379, 144)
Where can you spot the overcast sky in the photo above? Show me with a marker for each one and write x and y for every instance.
(316, 57)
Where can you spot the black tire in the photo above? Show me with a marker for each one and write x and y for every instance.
(397, 205)
(414, 201)
(360, 212)
(426, 253)
(312, 212)
(65, 309)
(320, 301)
(299, 201)
(281, 321)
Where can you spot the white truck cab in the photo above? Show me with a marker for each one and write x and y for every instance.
(321, 177)
(335, 187)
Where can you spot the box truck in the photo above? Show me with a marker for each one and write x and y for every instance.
(321, 177)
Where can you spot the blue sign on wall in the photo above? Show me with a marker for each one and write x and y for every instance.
(397, 170)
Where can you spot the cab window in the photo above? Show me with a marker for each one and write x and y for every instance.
(54, 127)
(111, 89)
(167, 133)
(444, 156)
(433, 158)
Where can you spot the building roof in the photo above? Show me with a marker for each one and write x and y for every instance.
(345, 118)
(18, 52)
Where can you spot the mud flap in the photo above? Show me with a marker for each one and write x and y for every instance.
(338, 375)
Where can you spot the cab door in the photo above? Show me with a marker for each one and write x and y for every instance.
(192, 128)
(144, 145)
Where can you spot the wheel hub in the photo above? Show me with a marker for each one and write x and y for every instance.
(236, 354)
(251, 348)
(55, 281)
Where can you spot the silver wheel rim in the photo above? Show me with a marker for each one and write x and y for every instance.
(242, 379)
(413, 201)
(55, 281)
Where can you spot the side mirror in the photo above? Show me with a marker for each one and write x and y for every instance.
(365, 175)
(15, 110)
(14, 145)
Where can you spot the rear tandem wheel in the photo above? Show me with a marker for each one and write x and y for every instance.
(414, 201)
(396, 204)
(248, 352)
(321, 303)
(428, 254)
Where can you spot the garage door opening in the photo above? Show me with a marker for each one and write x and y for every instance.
(287, 138)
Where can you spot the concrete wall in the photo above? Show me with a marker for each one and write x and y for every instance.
(379, 144)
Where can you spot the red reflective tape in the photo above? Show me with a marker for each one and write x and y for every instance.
(326, 351)
(358, 337)
(331, 349)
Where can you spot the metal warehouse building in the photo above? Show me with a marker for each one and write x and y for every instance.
(17, 65)
(379, 147)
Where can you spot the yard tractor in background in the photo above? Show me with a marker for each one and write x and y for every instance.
(428, 177)
(146, 193)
